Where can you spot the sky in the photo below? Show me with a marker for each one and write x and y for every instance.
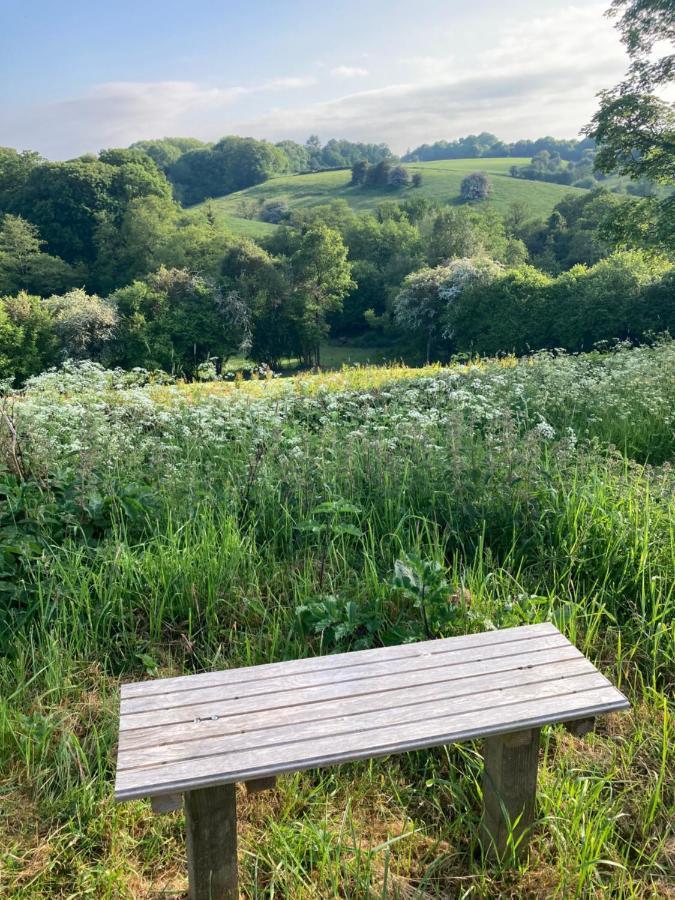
(78, 76)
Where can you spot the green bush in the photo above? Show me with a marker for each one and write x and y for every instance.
(628, 296)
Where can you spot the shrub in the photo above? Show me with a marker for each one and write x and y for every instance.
(398, 177)
(424, 305)
(476, 186)
(506, 315)
(274, 211)
(83, 324)
(28, 342)
(627, 296)
(607, 301)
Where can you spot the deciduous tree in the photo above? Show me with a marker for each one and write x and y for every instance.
(23, 264)
(83, 323)
(476, 186)
(321, 277)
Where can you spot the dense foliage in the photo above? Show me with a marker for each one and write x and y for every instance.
(476, 186)
(634, 126)
(99, 260)
(230, 165)
(180, 294)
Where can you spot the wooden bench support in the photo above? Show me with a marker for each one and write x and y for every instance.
(509, 789)
(580, 727)
(166, 803)
(211, 834)
(256, 785)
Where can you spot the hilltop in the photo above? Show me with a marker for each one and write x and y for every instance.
(441, 181)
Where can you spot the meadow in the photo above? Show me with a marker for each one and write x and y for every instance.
(441, 181)
(153, 529)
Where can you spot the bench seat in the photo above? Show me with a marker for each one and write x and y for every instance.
(196, 734)
(177, 734)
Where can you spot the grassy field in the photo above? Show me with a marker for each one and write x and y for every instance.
(440, 181)
(156, 530)
(250, 228)
(334, 355)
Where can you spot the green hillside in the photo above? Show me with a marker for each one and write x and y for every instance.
(250, 228)
(440, 181)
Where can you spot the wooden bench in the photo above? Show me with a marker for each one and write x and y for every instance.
(198, 735)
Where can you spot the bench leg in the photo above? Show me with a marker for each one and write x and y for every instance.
(509, 789)
(211, 835)
(256, 785)
(580, 727)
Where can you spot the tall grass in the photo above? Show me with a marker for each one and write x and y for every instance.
(163, 530)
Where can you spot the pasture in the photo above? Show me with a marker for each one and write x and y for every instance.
(440, 181)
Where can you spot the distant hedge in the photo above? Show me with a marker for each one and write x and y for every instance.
(627, 296)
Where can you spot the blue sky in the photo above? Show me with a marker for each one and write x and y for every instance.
(79, 76)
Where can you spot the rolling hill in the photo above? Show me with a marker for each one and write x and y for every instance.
(440, 181)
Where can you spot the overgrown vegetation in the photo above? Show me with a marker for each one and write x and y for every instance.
(150, 530)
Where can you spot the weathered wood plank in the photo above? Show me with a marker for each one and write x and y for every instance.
(509, 791)
(260, 762)
(345, 722)
(202, 697)
(232, 705)
(211, 837)
(383, 693)
(333, 661)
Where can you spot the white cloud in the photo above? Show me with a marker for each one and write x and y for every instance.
(117, 113)
(540, 78)
(349, 72)
(428, 67)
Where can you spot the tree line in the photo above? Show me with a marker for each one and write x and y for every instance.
(474, 146)
(198, 170)
(551, 167)
(243, 300)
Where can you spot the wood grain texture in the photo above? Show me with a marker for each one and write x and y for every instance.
(198, 699)
(509, 791)
(346, 721)
(236, 726)
(334, 661)
(378, 693)
(211, 837)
